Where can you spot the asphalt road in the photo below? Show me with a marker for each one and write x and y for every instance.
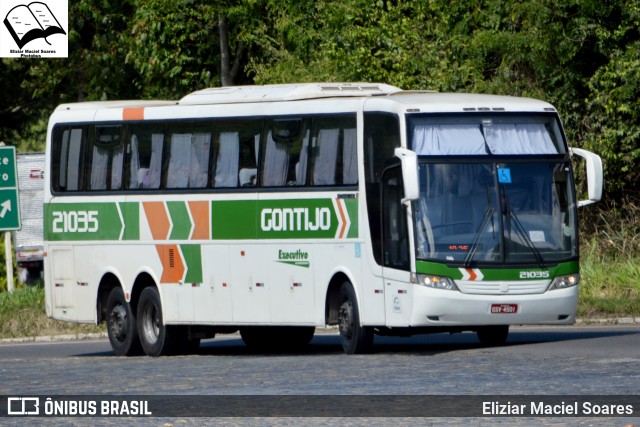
(579, 360)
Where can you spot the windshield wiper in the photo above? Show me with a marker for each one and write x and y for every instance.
(476, 240)
(520, 230)
(488, 215)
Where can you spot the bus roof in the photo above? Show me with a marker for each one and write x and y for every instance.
(378, 95)
(97, 105)
(436, 102)
(285, 92)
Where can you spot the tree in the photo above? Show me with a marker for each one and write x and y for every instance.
(581, 55)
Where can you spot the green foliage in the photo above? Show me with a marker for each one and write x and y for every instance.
(615, 119)
(26, 297)
(171, 48)
(610, 259)
(609, 287)
(581, 55)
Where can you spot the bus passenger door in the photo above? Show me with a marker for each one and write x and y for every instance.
(396, 256)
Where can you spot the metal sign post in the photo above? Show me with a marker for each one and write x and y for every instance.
(9, 204)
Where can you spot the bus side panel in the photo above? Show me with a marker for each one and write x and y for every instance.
(87, 274)
(372, 300)
(291, 282)
(59, 278)
(213, 298)
(250, 287)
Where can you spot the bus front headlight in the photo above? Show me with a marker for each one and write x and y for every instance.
(436, 282)
(562, 282)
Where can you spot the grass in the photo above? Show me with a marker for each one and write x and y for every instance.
(610, 288)
(22, 314)
(610, 264)
(610, 284)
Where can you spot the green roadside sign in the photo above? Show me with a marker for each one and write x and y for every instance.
(9, 201)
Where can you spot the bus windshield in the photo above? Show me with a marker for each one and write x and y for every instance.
(495, 212)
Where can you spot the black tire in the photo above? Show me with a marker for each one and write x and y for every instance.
(121, 325)
(156, 338)
(256, 338)
(355, 338)
(493, 335)
(298, 337)
(277, 338)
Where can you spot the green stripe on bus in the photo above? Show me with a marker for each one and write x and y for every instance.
(180, 220)
(131, 215)
(322, 218)
(498, 273)
(234, 219)
(280, 219)
(193, 260)
(82, 221)
(352, 211)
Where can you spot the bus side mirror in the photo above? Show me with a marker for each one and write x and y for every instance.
(409, 164)
(594, 175)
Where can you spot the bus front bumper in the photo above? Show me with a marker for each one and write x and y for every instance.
(435, 307)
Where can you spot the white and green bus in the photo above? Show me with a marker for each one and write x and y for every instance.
(273, 210)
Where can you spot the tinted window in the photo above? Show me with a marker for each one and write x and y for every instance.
(334, 156)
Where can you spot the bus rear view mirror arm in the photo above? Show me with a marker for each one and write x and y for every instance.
(409, 163)
(594, 175)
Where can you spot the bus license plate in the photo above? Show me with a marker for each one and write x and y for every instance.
(504, 308)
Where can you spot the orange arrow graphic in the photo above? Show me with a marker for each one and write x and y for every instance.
(172, 265)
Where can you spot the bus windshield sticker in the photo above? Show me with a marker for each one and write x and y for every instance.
(537, 236)
(504, 175)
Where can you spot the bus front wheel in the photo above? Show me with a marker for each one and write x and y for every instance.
(121, 325)
(157, 339)
(354, 337)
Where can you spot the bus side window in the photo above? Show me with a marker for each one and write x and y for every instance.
(249, 155)
(178, 168)
(326, 154)
(188, 160)
(227, 161)
(107, 156)
(285, 154)
(381, 136)
(145, 161)
(200, 152)
(68, 156)
(349, 157)
(334, 155)
(59, 164)
(235, 153)
(395, 235)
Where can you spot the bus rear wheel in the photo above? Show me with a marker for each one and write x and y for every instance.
(493, 335)
(157, 339)
(121, 325)
(355, 338)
